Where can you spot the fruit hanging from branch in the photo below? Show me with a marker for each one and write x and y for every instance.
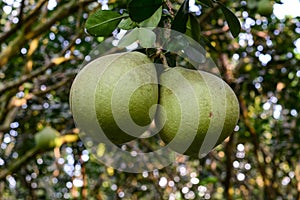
(265, 7)
(46, 138)
(193, 110)
(198, 110)
(123, 89)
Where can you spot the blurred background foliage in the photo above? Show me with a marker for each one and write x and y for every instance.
(42, 45)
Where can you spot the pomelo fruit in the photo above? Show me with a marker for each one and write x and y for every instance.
(197, 111)
(45, 139)
(265, 7)
(120, 90)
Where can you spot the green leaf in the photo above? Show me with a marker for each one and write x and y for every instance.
(206, 3)
(232, 20)
(127, 24)
(103, 22)
(181, 18)
(193, 28)
(177, 43)
(194, 31)
(144, 36)
(154, 20)
(140, 10)
(129, 38)
(195, 54)
(210, 179)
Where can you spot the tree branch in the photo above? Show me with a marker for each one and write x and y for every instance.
(18, 163)
(29, 18)
(227, 182)
(21, 13)
(5, 103)
(207, 13)
(28, 77)
(53, 87)
(22, 38)
(227, 67)
(9, 119)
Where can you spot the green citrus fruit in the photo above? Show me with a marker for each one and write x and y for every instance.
(265, 7)
(121, 89)
(45, 139)
(197, 111)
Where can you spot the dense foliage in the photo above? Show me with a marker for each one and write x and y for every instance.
(42, 46)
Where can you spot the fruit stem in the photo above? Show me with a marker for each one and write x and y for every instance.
(159, 53)
(164, 61)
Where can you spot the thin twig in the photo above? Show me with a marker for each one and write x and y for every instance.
(21, 13)
(30, 18)
(227, 182)
(18, 163)
(27, 77)
(9, 119)
(62, 12)
(227, 67)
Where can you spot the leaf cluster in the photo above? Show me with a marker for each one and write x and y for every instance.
(144, 13)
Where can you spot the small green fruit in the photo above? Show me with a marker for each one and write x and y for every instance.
(198, 111)
(265, 7)
(251, 4)
(121, 89)
(45, 139)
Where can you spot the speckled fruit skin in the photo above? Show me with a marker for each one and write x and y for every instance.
(109, 72)
(217, 103)
(265, 7)
(45, 139)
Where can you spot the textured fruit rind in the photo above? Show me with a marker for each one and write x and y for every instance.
(265, 7)
(141, 100)
(107, 75)
(218, 110)
(45, 139)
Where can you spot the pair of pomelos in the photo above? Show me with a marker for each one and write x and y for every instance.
(192, 109)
